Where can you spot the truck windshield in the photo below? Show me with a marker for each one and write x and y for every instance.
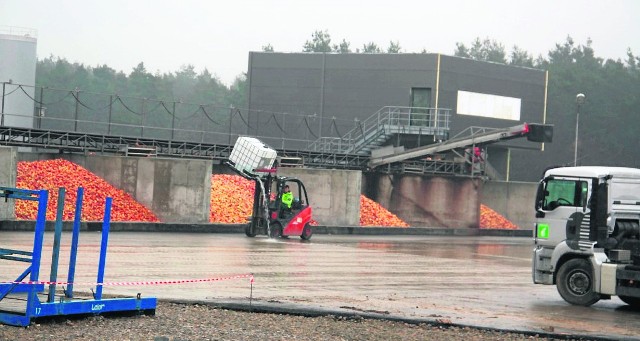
(560, 192)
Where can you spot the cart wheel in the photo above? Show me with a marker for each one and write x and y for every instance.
(306, 232)
(276, 230)
(249, 231)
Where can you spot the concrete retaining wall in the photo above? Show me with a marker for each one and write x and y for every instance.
(430, 201)
(514, 200)
(176, 190)
(334, 195)
(8, 172)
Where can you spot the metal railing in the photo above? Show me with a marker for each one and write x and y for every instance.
(387, 120)
(201, 144)
(19, 31)
(421, 167)
(76, 110)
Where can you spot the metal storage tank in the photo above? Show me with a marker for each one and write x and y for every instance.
(17, 66)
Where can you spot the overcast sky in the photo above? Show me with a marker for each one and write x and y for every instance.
(218, 35)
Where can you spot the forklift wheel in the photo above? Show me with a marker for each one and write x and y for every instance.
(249, 231)
(276, 230)
(306, 232)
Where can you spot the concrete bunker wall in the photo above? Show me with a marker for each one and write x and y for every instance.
(176, 190)
(334, 195)
(8, 170)
(428, 201)
(435, 201)
(514, 200)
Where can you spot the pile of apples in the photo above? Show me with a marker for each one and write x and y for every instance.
(373, 214)
(52, 174)
(231, 198)
(490, 219)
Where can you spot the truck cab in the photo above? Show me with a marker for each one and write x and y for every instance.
(587, 233)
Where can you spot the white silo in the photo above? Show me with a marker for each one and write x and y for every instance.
(17, 66)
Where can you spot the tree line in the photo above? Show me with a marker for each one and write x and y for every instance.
(607, 123)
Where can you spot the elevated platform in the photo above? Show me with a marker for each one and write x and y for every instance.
(385, 124)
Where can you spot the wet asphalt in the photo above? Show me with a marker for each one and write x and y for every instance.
(480, 281)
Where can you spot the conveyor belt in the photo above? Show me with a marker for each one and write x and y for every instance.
(98, 143)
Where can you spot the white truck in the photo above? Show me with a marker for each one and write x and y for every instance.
(587, 235)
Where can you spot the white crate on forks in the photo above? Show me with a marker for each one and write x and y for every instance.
(250, 153)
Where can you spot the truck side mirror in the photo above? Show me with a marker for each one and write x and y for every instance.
(540, 194)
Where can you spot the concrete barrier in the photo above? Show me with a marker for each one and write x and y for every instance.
(514, 200)
(334, 195)
(26, 225)
(8, 172)
(176, 190)
(433, 201)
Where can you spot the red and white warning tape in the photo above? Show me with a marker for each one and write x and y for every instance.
(180, 281)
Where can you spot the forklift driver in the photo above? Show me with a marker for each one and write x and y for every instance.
(287, 198)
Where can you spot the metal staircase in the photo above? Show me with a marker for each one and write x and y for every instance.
(376, 130)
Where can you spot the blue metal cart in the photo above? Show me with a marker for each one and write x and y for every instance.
(28, 294)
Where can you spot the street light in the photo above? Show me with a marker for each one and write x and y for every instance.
(580, 98)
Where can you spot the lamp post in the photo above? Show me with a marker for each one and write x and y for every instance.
(580, 98)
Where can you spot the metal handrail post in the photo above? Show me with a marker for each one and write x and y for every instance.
(42, 108)
(143, 118)
(230, 118)
(4, 84)
(75, 124)
(110, 112)
(173, 121)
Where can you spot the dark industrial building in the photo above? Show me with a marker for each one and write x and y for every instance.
(330, 95)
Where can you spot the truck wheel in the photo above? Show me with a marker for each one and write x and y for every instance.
(306, 232)
(575, 282)
(248, 230)
(632, 301)
(276, 230)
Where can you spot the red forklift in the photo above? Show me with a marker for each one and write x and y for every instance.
(270, 216)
